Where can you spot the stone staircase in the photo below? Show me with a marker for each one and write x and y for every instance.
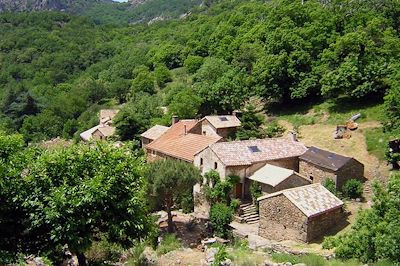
(249, 213)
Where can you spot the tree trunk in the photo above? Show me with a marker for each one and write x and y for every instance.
(169, 212)
(81, 259)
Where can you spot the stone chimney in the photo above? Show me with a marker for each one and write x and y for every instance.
(293, 135)
(175, 119)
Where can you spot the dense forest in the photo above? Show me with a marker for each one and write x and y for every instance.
(58, 70)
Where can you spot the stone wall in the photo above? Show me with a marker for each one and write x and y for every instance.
(281, 220)
(145, 141)
(209, 159)
(226, 132)
(352, 170)
(288, 163)
(315, 173)
(318, 226)
(207, 129)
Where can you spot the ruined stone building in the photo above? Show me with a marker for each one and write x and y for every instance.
(302, 214)
(104, 129)
(318, 165)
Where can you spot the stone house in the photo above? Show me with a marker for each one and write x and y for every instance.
(152, 134)
(104, 129)
(303, 213)
(243, 158)
(179, 142)
(219, 125)
(274, 178)
(318, 165)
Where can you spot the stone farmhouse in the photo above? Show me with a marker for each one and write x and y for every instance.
(318, 165)
(223, 126)
(302, 214)
(244, 158)
(104, 129)
(274, 178)
(180, 142)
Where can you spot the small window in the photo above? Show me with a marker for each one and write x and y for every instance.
(215, 165)
(311, 178)
(223, 118)
(204, 133)
(254, 149)
(201, 161)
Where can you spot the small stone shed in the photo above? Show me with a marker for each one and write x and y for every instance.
(220, 125)
(302, 214)
(152, 134)
(318, 164)
(274, 178)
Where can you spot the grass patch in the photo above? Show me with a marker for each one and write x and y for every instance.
(311, 260)
(377, 142)
(331, 112)
(168, 243)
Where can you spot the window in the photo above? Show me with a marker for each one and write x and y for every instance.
(254, 149)
(204, 133)
(311, 178)
(223, 118)
(215, 165)
(201, 161)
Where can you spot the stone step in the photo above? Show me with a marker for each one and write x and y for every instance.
(245, 205)
(249, 208)
(253, 222)
(250, 216)
(248, 211)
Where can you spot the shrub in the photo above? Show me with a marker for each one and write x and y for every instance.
(103, 251)
(274, 130)
(220, 217)
(255, 191)
(221, 256)
(353, 189)
(168, 244)
(235, 204)
(330, 185)
(193, 63)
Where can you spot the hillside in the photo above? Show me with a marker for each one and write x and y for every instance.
(45, 5)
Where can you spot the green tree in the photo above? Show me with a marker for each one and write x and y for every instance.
(168, 179)
(102, 182)
(372, 236)
(221, 216)
(185, 104)
(251, 122)
(162, 75)
(42, 126)
(193, 63)
(143, 82)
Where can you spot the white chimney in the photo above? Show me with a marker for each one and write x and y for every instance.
(175, 119)
(293, 135)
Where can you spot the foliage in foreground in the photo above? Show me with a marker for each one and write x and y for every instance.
(68, 196)
(373, 236)
(221, 216)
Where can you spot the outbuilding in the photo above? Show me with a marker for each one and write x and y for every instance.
(302, 214)
(318, 165)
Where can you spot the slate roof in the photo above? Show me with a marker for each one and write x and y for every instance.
(154, 132)
(272, 175)
(312, 200)
(106, 131)
(223, 121)
(87, 135)
(247, 152)
(175, 143)
(324, 158)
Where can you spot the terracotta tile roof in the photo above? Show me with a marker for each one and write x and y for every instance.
(175, 143)
(154, 132)
(312, 199)
(324, 158)
(223, 121)
(247, 152)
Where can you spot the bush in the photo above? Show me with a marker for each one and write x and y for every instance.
(235, 204)
(255, 191)
(168, 244)
(193, 63)
(221, 256)
(330, 185)
(274, 130)
(352, 189)
(220, 217)
(103, 251)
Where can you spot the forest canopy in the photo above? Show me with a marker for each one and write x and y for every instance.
(58, 67)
